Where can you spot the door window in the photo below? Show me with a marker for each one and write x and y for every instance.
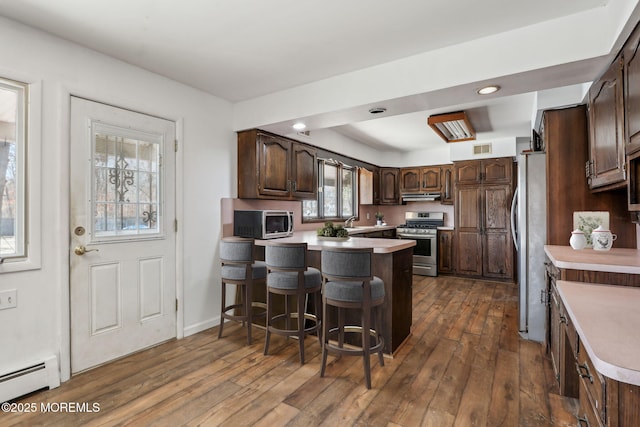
(126, 186)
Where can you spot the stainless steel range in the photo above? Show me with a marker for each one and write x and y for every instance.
(423, 228)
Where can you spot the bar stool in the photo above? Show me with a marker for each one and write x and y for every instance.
(348, 283)
(239, 268)
(289, 275)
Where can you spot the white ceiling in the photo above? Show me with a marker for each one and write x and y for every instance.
(240, 50)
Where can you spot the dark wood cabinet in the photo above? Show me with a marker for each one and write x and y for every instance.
(606, 166)
(468, 222)
(389, 186)
(631, 72)
(423, 179)
(447, 185)
(430, 179)
(565, 135)
(484, 247)
(410, 180)
(486, 171)
(554, 326)
(603, 401)
(558, 345)
(445, 252)
(498, 256)
(304, 171)
(274, 167)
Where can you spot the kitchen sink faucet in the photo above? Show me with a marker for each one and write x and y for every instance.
(349, 222)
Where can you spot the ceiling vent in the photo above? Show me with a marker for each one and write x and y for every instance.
(480, 149)
(452, 127)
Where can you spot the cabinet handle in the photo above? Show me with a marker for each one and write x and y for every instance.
(563, 319)
(583, 372)
(544, 297)
(295, 186)
(583, 421)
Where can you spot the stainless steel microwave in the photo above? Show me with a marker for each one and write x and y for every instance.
(267, 224)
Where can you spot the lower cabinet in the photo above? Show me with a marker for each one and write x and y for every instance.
(558, 343)
(445, 252)
(602, 401)
(586, 414)
(380, 234)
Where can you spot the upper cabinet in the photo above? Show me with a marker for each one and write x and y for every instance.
(631, 59)
(389, 186)
(606, 165)
(447, 185)
(485, 171)
(410, 180)
(366, 188)
(273, 167)
(423, 179)
(430, 179)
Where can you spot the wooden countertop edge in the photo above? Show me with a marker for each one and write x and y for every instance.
(595, 345)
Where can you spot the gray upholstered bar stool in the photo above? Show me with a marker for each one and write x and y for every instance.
(348, 283)
(289, 275)
(239, 268)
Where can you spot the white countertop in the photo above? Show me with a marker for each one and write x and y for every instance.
(615, 260)
(380, 246)
(607, 319)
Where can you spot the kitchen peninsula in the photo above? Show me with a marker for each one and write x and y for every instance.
(593, 338)
(392, 262)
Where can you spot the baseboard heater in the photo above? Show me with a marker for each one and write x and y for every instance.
(32, 377)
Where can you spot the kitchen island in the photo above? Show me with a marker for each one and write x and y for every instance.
(392, 262)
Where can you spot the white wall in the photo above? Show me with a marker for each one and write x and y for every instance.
(39, 325)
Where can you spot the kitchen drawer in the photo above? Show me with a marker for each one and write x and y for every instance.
(593, 383)
(587, 416)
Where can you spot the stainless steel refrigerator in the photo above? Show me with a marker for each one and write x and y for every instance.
(529, 230)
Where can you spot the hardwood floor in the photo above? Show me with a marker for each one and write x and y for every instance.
(463, 365)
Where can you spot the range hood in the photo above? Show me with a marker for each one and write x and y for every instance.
(420, 197)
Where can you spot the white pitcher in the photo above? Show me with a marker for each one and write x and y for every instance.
(578, 240)
(602, 239)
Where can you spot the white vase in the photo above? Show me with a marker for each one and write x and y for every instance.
(578, 240)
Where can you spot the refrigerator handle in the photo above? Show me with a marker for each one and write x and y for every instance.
(514, 231)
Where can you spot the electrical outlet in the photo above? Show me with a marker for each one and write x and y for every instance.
(368, 215)
(8, 299)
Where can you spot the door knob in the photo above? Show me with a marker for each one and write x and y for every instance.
(81, 250)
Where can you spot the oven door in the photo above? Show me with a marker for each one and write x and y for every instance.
(425, 251)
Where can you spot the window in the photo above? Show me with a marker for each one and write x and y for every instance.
(336, 192)
(20, 175)
(126, 183)
(12, 169)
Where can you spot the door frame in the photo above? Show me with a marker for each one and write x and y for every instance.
(64, 103)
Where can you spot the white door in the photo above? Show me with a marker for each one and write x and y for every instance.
(122, 244)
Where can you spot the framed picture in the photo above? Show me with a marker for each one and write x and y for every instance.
(588, 221)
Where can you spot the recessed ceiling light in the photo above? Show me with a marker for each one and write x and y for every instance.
(488, 89)
(377, 110)
(299, 126)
